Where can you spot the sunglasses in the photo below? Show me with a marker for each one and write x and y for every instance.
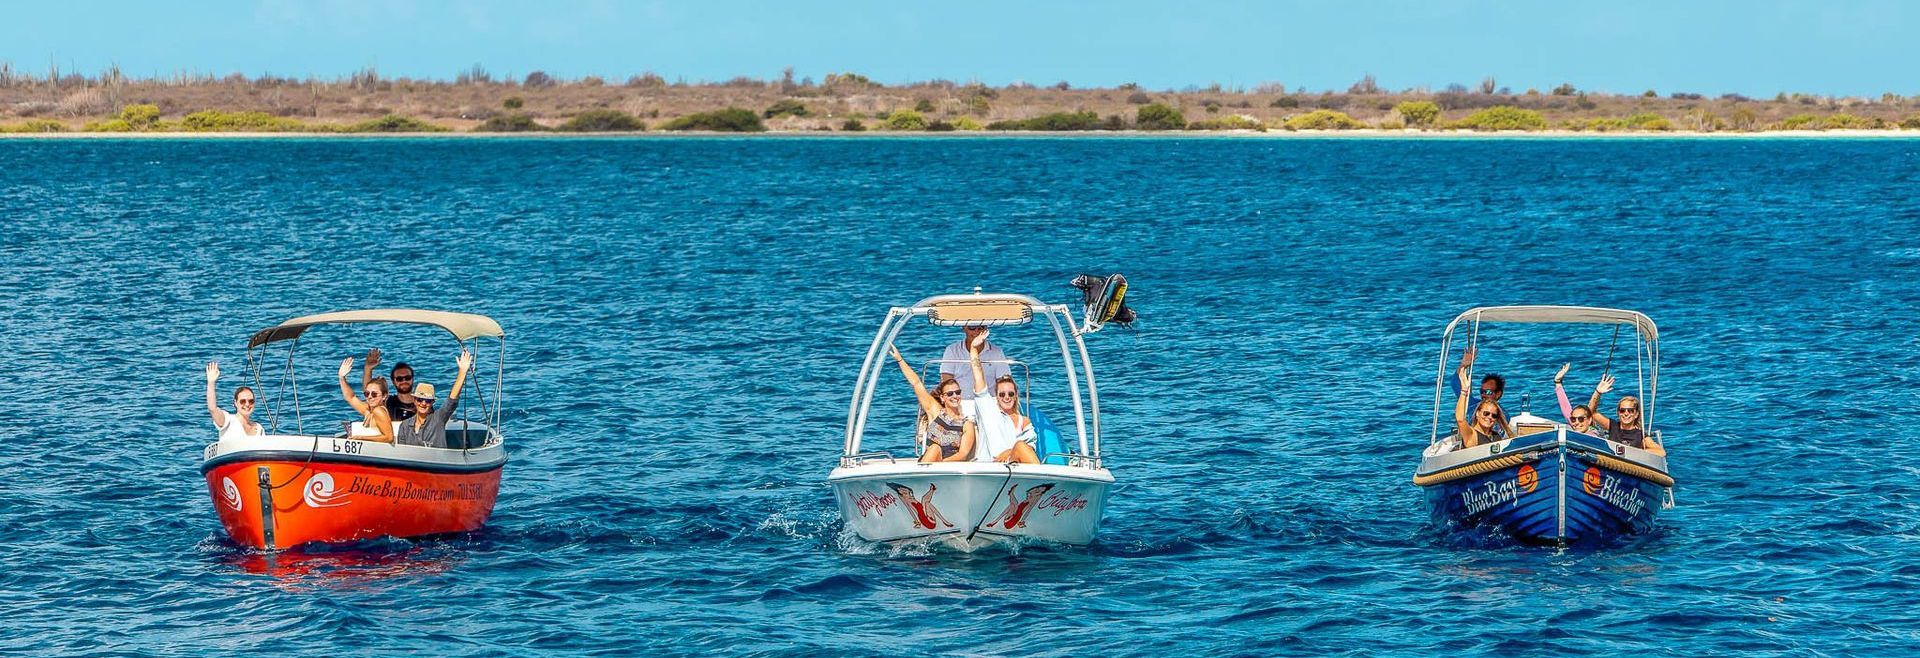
(244, 401)
(375, 393)
(1582, 419)
(1489, 414)
(1488, 392)
(1629, 410)
(420, 400)
(1007, 395)
(949, 394)
(403, 378)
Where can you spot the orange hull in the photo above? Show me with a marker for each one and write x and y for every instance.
(325, 501)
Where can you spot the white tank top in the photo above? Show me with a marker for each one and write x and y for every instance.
(235, 429)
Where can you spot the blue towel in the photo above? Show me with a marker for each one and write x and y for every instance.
(1047, 439)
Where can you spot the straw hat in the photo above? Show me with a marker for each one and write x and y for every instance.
(423, 390)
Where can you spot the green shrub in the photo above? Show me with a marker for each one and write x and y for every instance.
(140, 117)
(393, 123)
(1158, 116)
(729, 120)
(1800, 122)
(1911, 123)
(1285, 101)
(939, 127)
(853, 125)
(36, 126)
(509, 123)
(906, 120)
(1229, 122)
(1057, 121)
(109, 126)
(1601, 125)
(1419, 114)
(1851, 122)
(602, 121)
(967, 123)
(1503, 117)
(218, 121)
(1323, 120)
(923, 106)
(1113, 122)
(785, 107)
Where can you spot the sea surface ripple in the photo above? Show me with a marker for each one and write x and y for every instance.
(685, 317)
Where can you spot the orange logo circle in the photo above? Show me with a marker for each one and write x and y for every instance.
(1527, 478)
(1591, 481)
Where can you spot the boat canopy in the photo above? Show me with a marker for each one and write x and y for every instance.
(1562, 314)
(463, 326)
(979, 310)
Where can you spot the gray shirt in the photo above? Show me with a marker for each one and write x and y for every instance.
(433, 434)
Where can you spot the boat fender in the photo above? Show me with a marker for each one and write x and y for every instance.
(1635, 470)
(1473, 469)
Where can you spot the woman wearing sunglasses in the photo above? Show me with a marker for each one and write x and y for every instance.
(1626, 428)
(1580, 418)
(233, 424)
(1487, 419)
(950, 434)
(1008, 435)
(375, 424)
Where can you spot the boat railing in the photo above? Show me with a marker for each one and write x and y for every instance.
(856, 460)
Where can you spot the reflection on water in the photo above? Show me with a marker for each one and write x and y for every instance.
(362, 565)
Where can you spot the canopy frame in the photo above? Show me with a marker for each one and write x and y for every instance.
(1646, 345)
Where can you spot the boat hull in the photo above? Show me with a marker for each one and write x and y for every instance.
(1556, 487)
(268, 497)
(969, 506)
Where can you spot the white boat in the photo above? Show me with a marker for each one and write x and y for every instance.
(967, 505)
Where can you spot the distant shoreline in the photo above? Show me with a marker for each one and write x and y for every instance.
(1368, 133)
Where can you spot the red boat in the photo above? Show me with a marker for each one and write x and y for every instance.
(283, 489)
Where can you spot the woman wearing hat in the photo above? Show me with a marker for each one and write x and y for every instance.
(428, 426)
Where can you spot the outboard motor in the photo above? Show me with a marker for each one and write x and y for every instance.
(1105, 299)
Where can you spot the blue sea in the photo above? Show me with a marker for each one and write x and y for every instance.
(685, 317)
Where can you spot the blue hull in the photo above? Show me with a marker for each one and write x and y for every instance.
(1559, 494)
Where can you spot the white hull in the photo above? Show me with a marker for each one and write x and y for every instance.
(969, 505)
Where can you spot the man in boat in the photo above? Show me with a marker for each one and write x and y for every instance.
(428, 425)
(954, 365)
(1492, 387)
(400, 404)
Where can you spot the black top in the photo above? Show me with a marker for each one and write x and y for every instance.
(397, 410)
(1636, 437)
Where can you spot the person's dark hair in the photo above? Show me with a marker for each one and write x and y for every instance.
(1005, 378)
(941, 387)
(1582, 407)
(1499, 383)
(402, 364)
(249, 389)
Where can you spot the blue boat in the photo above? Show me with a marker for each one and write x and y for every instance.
(1545, 482)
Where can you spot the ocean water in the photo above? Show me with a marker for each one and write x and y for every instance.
(685, 317)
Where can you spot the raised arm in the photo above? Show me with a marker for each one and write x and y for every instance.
(927, 404)
(1606, 384)
(973, 361)
(213, 404)
(346, 365)
(1460, 424)
(366, 371)
(465, 365)
(1560, 394)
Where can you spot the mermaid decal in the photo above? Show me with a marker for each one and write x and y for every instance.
(1015, 513)
(925, 515)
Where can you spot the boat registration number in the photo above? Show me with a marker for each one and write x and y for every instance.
(348, 447)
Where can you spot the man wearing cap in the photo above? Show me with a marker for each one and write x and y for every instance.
(954, 365)
(428, 425)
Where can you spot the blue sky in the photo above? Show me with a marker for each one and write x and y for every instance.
(1755, 47)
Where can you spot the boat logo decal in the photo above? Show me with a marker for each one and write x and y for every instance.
(867, 501)
(1619, 494)
(1528, 479)
(229, 493)
(1491, 493)
(1014, 515)
(922, 510)
(319, 492)
(1591, 481)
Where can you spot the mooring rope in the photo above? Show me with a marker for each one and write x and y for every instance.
(1473, 469)
(1634, 470)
